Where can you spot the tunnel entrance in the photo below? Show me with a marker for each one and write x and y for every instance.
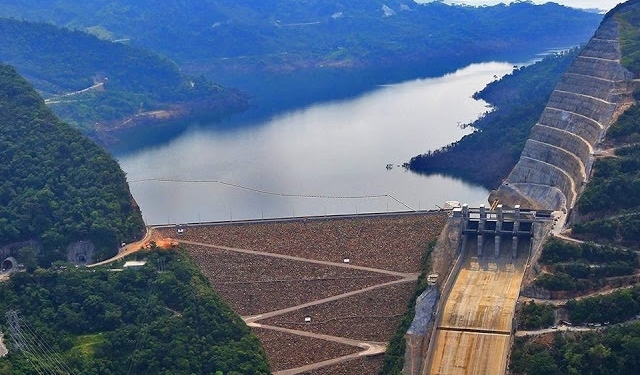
(7, 265)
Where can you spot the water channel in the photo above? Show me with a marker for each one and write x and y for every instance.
(330, 158)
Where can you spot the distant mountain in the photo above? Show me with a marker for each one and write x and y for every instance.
(56, 186)
(100, 86)
(281, 35)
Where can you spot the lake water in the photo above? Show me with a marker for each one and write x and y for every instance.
(328, 158)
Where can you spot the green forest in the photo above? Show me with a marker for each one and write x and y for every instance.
(56, 186)
(579, 268)
(487, 155)
(162, 318)
(610, 349)
(613, 351)
(127, 81)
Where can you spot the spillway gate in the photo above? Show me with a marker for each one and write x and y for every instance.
(490, 228)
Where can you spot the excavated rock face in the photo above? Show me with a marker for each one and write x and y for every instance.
(557, 158)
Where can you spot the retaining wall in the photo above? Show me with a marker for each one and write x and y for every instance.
(586, 128)
(569, 141)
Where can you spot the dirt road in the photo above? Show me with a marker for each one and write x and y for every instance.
(128, 249)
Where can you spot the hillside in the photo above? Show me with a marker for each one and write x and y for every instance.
(488, 154)
(160, 319)
(225, 36)
(607, 211)
(594, 284)
(101, 86)
(57, 187)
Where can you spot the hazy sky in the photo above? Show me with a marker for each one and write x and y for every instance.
(600, 4)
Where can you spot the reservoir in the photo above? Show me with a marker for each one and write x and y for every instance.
(341, 157)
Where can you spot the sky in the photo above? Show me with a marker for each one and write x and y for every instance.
(600, 4)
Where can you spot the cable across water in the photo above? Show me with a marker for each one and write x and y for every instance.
(266, 192)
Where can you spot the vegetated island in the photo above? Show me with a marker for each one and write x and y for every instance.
(102, 87)
(487, 155)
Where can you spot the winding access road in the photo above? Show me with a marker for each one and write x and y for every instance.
(370, 348)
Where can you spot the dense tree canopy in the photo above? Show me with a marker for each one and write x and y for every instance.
(129, 80)
(610, 352)
(286, 34)
(56, 186)
(160, 319)
(581, 267)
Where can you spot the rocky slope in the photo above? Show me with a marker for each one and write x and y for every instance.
(558, 156)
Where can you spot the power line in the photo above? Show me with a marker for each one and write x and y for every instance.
(39, 353)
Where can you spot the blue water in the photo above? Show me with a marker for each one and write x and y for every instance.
(326, 158)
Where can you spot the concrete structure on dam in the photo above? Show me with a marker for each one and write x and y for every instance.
(495, 225)
(473, 322)
(558, 156)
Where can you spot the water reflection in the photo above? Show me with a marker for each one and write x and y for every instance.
(323, 159)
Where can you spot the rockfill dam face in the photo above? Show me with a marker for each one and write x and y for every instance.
(557, 158)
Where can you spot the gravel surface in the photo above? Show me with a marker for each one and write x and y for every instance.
(254, 284)
(370, 316)
(393, 242)
(360, 366)
(287, 351)
(257, 284)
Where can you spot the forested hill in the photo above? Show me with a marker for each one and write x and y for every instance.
(290, 34)
(161, 319)
(487, 155)
(56, 186)
(99, 86)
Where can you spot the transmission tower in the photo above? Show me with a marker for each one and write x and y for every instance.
(39, 353)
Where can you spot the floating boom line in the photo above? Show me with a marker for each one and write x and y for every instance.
(277, 194)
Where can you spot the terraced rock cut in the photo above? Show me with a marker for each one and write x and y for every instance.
(556, 161)
(323, 295)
